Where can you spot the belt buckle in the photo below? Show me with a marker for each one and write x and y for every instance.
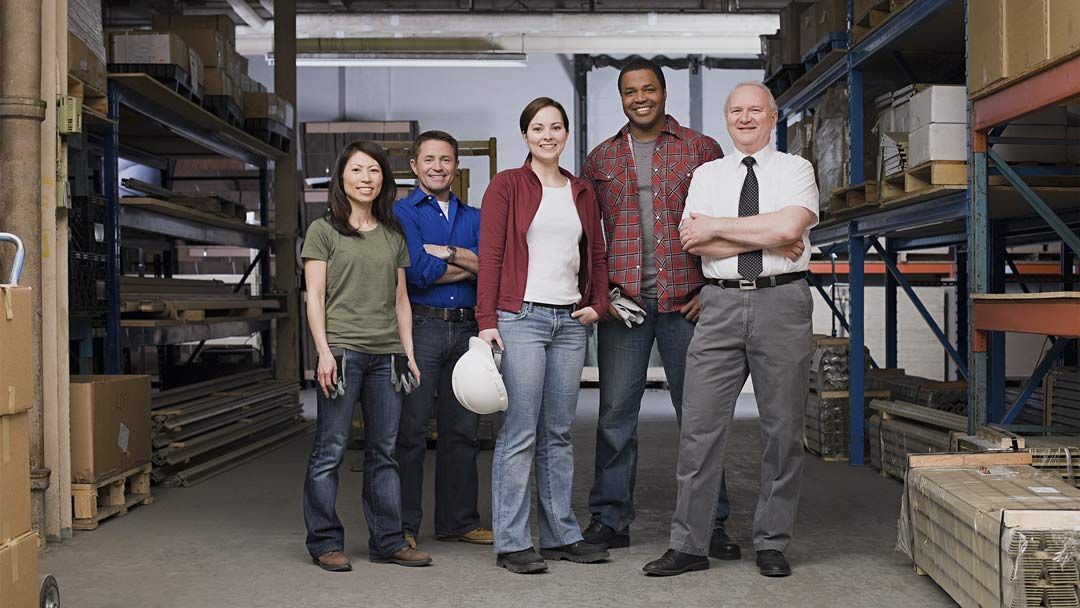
(746, 285)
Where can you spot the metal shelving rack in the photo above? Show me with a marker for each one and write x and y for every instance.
(941, 220)
(151, 124)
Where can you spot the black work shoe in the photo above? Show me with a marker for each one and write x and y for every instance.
(771, 562)
(580, 552)
(522, 562)
(603, 534)
(722, 547)
(674, 562)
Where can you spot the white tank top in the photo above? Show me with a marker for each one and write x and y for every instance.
(554, 257)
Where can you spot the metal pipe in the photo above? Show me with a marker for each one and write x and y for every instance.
(21, 114)
(20, 255)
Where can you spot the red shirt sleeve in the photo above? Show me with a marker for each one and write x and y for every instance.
(494, 215)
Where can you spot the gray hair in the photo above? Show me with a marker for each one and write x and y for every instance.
(757, 84)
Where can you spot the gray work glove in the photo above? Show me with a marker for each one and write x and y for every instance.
(629, 312)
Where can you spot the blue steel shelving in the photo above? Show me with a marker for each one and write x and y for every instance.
(944, 220)
(150, 123)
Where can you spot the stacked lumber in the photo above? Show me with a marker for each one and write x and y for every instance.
(149, 299)
(213, 204)
(992, 530)
(898, 429)
(204, 429)
(1061, 390)
(1056, 455)
(942, 396)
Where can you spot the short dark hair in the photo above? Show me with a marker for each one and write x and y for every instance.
(538, 104)
(638, 62)
(434, 136)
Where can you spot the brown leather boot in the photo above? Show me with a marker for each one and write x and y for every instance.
(406, 556)
(333, 561)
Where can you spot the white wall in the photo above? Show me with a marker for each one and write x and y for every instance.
(478, 103)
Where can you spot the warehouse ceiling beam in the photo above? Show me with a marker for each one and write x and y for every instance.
(724, 34)
(245, 12)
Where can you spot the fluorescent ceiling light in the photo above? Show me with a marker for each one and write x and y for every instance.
(409, 60)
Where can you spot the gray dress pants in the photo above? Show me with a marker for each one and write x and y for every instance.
(766, 334)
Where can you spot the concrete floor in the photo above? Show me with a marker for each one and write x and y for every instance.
(237, 540)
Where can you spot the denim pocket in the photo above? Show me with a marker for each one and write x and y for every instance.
(505, 316)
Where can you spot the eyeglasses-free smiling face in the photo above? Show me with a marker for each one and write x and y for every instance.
(546, 135)
(362, 179)
(750, 118)
(643, 99)
(435, 166)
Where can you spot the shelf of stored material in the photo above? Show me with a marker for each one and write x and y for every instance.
(150, 123)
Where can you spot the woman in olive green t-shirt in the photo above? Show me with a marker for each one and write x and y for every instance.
(359, 314)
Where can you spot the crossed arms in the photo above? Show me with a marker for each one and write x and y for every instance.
(723, 237)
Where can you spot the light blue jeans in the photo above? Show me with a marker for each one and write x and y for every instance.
(541, 366)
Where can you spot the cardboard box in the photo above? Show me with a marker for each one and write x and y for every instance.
(985, 52)
(791, 32)
(946, 141)
(250, 85)
(14, 476)
(808, 38)
(830, 16)
(85, 65)
(195, 70)
(241, 64)
(1027, 41)
(16, 368)
(938, 104)
(209, 44)
(217, 81)
(1064, 19)
(149, 47)
(222, 24)
(110, 425)
(268, 105)
(19, 583)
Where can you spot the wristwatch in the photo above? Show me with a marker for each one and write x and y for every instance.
(453, 253)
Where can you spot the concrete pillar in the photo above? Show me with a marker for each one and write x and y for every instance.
(21, 114)
(286, 199)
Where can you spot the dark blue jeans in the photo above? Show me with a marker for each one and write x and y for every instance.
(367, 378)
(438, 345)
(623, 358)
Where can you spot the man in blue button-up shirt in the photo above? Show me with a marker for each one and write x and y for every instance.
(442, 234)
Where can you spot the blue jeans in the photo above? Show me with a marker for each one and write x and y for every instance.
(623, 357)
(367, 378)
(438, 345)
(541, 366)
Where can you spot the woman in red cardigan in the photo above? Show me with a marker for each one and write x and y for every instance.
(542, 284)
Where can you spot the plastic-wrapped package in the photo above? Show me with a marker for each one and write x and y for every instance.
(84, 22)
(992, 534)
(830, 151)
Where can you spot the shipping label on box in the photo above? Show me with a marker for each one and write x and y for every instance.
(14, 476)
(19, 583)
(110, 425)
(16, 367)
(937, 142)
(149, 47)
(938, 104)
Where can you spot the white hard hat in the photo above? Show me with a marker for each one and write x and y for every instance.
(477, 382)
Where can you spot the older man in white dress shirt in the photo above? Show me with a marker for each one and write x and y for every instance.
(748, 215)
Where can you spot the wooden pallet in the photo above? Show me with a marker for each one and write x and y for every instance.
(784, 77)
(112, 496)
(877, 14)
(924, 178)
(92, 99)
(850, 199)
(270, 131)
(834, 41)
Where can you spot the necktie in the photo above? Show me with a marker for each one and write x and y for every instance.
(750, 262)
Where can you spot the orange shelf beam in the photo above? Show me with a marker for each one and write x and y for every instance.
(924, 268)
(1050, 87)
(1050, 314)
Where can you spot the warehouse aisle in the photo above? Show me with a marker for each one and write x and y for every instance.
(237, 540)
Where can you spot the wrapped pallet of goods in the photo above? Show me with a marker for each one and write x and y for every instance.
(991, 530)
(270, 118)
(831, 162)
(163, 55)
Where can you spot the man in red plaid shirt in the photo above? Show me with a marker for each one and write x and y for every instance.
(641, 176)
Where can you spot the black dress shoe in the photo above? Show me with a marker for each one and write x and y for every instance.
(722, 547)
(603, 534)
(771, 562)
(580, 552)
(522, 562)
(674, 562)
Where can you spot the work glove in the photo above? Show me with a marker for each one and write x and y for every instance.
(401, 376)
(629, 312)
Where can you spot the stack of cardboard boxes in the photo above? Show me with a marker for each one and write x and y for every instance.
(937, 124)
(18, 543)
(164, 55)
(819, 20)
(213, 39)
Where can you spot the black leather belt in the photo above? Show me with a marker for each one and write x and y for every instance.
(570, 307)
(760, 282)
(446, 314)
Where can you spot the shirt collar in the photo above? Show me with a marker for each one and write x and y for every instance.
(761, 157)
(671, 127)
(418, 196)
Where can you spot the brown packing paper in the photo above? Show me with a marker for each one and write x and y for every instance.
(16, 370)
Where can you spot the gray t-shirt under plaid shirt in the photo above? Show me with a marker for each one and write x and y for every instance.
(643, 153)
